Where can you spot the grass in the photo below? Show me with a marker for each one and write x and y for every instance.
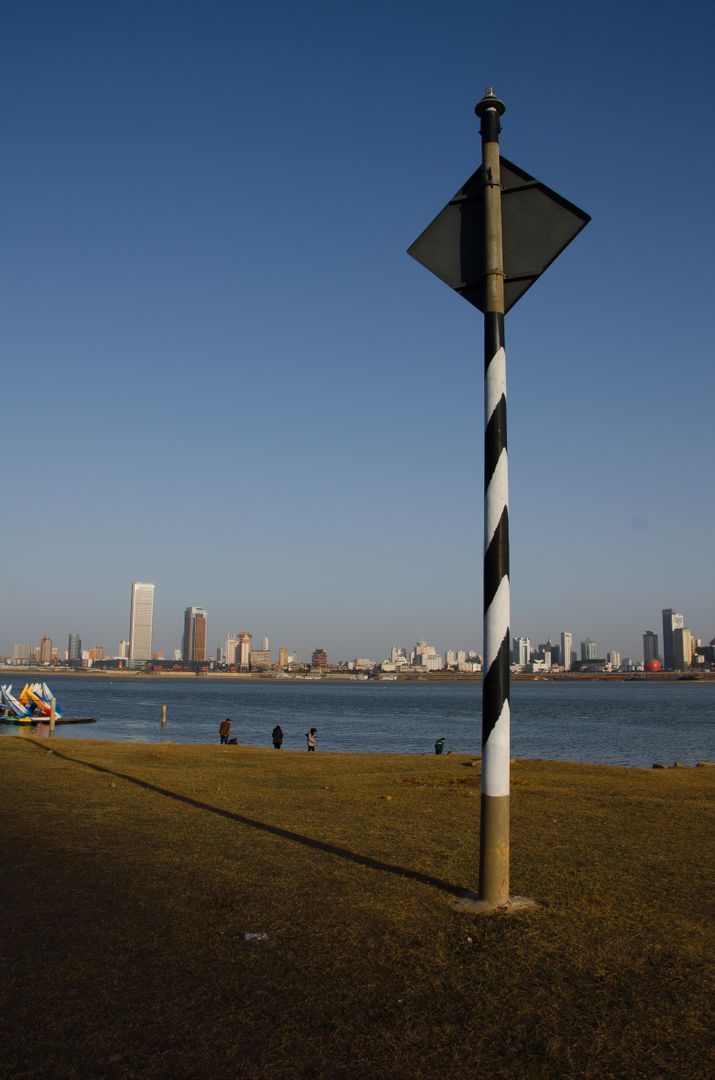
(128, 886)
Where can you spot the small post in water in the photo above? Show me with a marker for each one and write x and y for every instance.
(163, 716)
(53, 714)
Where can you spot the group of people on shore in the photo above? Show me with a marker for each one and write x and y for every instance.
(224, 731)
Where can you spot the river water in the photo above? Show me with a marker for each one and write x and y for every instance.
(611, 723)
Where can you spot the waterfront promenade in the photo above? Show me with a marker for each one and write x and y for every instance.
(133, 872)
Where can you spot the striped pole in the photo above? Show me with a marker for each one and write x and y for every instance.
(494, 830)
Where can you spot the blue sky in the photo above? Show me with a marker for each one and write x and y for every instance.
(225, 375)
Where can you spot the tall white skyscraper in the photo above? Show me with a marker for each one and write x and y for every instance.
(567, 650)
(230, 646)
(521, 651)
(140, 620)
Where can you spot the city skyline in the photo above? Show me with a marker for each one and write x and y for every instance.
(182, 253)
(195, 645)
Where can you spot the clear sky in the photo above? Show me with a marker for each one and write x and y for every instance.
(223, 374)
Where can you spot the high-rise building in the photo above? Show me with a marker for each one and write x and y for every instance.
(244, 650)
(614, 659)
(141, 620)
(650, 646)
(194, 641)
(97, 653)
(567, 650)
(682, 648)
(230, 646)
(123, 650)
(264, 645)
(74, 649)
(672, 621)
(589, 649)
(282, 658)
(46, 650)
(552, 649)
(521, 651)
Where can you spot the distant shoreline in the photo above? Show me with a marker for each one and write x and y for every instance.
(431, 677)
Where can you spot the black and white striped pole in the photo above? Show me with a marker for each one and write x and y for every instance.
(490, 243)
(494, 827)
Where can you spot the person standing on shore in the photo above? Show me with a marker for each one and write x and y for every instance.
(311, 737)
(224, 730)
(277, 736)
(439, 746)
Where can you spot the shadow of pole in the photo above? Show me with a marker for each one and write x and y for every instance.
(262, 826)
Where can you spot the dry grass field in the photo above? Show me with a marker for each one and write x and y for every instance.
(130, 874)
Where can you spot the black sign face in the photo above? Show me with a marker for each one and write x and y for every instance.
(537, 225)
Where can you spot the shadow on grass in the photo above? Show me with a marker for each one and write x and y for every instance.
(262, 826)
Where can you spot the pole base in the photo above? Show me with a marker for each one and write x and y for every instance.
(472, 904)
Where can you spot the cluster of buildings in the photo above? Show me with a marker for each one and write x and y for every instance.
(681, 651)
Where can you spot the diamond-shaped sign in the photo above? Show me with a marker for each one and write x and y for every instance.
(537, 225)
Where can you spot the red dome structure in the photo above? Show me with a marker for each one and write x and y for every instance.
(653, 665)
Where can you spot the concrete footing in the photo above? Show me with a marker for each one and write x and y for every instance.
(471, 904)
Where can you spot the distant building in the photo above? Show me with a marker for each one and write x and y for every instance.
(243, 661)
(230, 648)
(566, 650)
(650, 646)
(97, 653)
(541, 659)
(672, 621)
(319, 660)
(46, 650)
(260, 659)
(74, 650)
(265, 647)
(592, 666)
(706, 654)
(193, 645)
(682, 648)
(123, 650)
(421, 651)
(614, 659)
(589, 650)
(426, 657)
(282, 658)
(521, 651)
(141, 620)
